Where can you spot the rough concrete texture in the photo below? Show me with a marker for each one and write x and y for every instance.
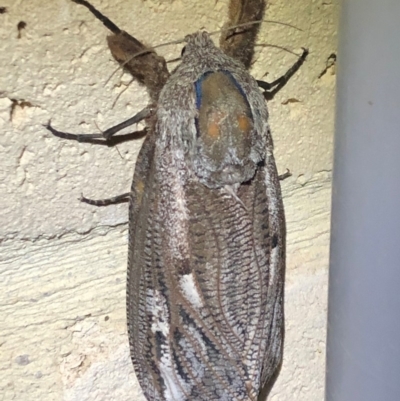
(62, 263)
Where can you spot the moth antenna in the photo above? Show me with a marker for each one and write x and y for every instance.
(279, 47)
(239, 33)
(141, 53)
(123, 91)
(250, 23)
(178, 41)
(147, 50)
(246, 59)
(151, 71)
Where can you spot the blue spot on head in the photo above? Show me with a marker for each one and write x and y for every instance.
(199, 82)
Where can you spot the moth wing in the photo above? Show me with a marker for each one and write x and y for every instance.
(204, 283)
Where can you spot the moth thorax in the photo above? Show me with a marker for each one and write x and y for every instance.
(224, 126)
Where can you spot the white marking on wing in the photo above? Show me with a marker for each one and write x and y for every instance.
(173, 391)
(190, 291)
(174, 384)
(274, 263)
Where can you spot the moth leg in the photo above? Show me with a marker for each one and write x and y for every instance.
(107, 137)
(239, 42)
(106, 202)
(142, 62)
(270, 89)
(285, 175)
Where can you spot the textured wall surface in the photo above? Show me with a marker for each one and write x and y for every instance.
(62, 263)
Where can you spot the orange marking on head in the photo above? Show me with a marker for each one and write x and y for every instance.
(213, 128)
(243, 123)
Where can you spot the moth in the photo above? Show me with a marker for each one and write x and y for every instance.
(206, 255)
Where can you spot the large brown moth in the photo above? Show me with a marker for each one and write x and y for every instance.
(206, 254)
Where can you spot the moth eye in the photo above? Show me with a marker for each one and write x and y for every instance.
(183, 51)
(244, 123)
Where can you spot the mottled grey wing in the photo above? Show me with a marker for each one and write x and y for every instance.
(238, 264)
(207, 326)
(140, 274)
